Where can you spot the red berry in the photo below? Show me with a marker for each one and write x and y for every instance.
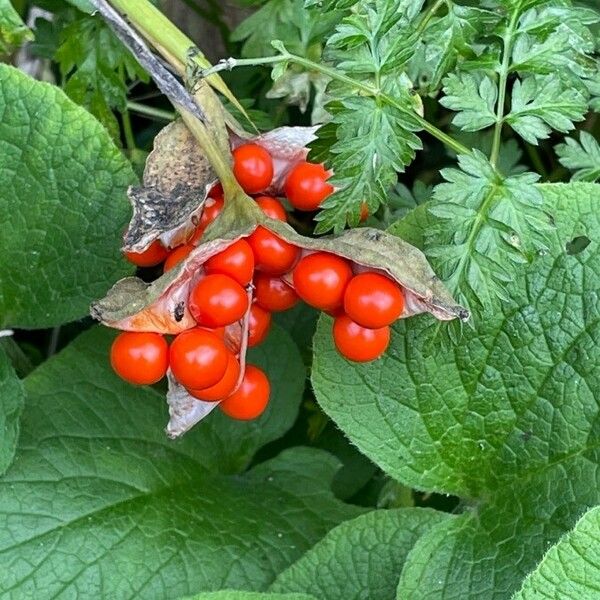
(259, 325)
(153, 255)
(252, 167)
(140, 358)
(272, 208)
(210, 211)
(176, 256)
(321, 278)
(217, 300)
(364, 212)
(373, 300)
(272, 254)
(251, 398)
(358, 343)
(216, 191)
(224, 386)
(306, 186)
(236, 260)
(273, 294)
(198, 358)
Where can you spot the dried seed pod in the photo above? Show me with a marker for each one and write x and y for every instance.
(162, 306)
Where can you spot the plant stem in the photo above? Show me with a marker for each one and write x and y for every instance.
(128, 131)
(536, 159)
(175, 47)
(150, 111)
(429, 14)
(507, 40)
(219, 162)
(230, 63)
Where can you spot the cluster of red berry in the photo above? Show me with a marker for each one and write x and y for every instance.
(203, 359)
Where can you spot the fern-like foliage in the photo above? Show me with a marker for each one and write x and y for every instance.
(582, 157)
(368, 141)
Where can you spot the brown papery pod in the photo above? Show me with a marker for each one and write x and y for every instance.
(162, 306)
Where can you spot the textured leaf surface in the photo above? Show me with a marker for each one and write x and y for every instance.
(99, 502)
(361, 558)
(571, 569)
(507, 418)
(233, 595)
(11, 402)
(62, 202)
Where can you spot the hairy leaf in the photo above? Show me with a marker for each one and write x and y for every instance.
(237, 595)
(361, 558)
(99, 499)
(506, 419)
(571, 569)
(11, 403)
(583, 157)
(62, 227)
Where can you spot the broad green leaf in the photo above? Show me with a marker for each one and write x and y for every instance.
(507, 418)
(13, 32)
(361, 558)
(11, 403)
(571, 569)
(99, 501)
(62, 202)
(583, 157)
(237, 595)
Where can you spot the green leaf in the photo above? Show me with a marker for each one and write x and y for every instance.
(64, 205)
(237, 595)
(487, 225)
(96, 68)
(373, 144)
(13, 32)
(507, 419)
(99, 499)
(361, 558)
(368, 140)
(582, 157)
(571, 569)
(11, 403)
(285, 21)
(541, 104)
(446, 41)
(473, 97)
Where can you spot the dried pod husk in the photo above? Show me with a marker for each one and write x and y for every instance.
(177, 178)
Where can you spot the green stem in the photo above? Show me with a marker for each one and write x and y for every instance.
(536, 160)
(429, 15)
(174, 46)
(150, 111)
(507, 40)
(230, 63)
(170, 42)
(126, 119)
